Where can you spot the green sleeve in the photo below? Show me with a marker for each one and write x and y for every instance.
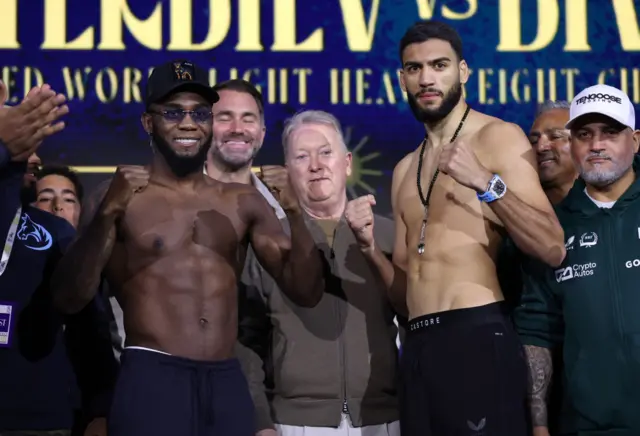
(538, 318)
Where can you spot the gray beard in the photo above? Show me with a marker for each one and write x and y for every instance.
(230, 163)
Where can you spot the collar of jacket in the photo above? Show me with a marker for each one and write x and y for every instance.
(316, 232)
(308, 218)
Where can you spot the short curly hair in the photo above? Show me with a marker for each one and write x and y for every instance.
(63, 171)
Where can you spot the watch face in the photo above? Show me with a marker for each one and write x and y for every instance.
(498, 187)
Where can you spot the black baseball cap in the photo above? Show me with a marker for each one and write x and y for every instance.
(178, 76)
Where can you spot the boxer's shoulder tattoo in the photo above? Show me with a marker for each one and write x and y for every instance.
(540, 371)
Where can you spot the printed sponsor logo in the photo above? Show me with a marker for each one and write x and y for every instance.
(632, 263)
(569, 244)
(599, 98)
(588, 239)
(575, 271)
(33, 235)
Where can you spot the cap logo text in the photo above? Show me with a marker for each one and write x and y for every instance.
(600, 98)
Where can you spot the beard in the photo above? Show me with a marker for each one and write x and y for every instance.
(429, 116)
(181, 166)
(234, 162)
(600, 177)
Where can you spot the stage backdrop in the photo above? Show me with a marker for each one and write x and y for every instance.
(336, 55)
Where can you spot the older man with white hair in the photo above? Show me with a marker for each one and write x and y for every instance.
(330, 370)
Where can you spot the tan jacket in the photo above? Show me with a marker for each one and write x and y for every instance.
(315, 359)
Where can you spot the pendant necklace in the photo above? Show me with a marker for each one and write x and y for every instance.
(423, 200)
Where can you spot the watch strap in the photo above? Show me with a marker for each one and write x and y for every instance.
(490, 194)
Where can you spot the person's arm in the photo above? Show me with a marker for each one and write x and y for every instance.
(74, 286)
(539, 322)
(254, 323)
(252, 367)
(254, 328)
(89, 208)
(22, 129)
(11, 180)
(294, 263)
(524, 210)
(88, 340)
(91, 204)
(90, 351)
(393, 273)
(88, 344)
(540, 362)
(5, 156)
(40, 325)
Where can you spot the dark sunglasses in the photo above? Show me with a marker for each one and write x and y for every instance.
(200, 116)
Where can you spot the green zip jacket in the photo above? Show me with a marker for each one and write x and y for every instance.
(590, 306)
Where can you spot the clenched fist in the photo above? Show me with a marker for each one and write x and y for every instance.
(459, 161)
(23, 127)
(128, 181)
(359, 216)
(276, 178)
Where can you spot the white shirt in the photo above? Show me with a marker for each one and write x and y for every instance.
(600, 204)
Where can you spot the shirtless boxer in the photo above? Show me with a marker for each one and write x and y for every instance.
(168, 239)
(463, 368)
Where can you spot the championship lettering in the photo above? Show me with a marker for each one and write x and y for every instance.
(359, 20)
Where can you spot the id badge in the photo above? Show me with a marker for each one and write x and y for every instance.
(6, 320)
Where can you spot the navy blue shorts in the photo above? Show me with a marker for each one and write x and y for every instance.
(162, 395)
(464, 373)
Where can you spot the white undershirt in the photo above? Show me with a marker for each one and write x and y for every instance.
(600, 204)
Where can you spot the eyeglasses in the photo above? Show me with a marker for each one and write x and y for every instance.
(177, 115)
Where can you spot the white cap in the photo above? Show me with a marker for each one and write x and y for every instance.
(605, 100)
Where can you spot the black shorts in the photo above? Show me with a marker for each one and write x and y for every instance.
(464, 372)
(161, 395)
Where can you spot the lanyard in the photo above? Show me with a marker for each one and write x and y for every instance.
(8, 245)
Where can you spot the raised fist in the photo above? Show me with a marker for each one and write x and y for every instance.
(359, 216)
(276, 178)
(459, 161)
(127, 181)
(23, 127)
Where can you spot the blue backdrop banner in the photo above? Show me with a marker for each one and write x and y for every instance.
(336, 55)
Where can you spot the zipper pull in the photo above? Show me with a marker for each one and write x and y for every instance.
(333, 242)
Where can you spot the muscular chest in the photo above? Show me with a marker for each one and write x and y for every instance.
(159, 222)
(447, 197)
(452, 207)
